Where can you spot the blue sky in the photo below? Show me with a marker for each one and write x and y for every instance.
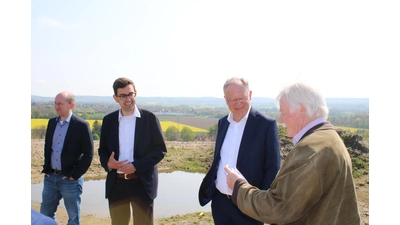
(189, 48)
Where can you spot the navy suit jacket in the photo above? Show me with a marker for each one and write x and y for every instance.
(149, 149)
(78, 149)
(258, 158)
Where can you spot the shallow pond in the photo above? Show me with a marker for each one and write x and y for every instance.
(177, 195)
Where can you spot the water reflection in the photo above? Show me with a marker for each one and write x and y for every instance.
(177, 194)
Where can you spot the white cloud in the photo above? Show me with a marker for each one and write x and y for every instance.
(49, 22)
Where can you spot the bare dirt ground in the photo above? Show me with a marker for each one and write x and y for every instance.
(178, 154)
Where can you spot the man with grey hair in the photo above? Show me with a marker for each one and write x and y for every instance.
(315, 183)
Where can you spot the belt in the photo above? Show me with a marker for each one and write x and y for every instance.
(55, 171)
(228, 196)
(127, 176)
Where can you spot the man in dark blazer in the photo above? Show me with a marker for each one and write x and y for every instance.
(68, 153)
(131, 146)
(247, 140)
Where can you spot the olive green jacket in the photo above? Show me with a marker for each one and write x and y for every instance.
(314, 185)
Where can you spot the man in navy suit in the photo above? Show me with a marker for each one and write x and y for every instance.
(131, 146)
(247, 140)
(68, 153)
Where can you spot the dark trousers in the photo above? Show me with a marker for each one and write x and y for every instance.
(224, 212)
(127, 194)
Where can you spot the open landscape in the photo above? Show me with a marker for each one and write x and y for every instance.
(183, 156)
(196, 156)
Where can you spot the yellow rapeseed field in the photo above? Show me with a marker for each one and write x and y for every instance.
(37, 123)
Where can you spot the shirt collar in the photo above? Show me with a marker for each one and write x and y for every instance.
(298, 136)
(136, 113)
(66, 120)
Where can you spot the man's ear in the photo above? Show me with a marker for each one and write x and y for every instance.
(303, 110)
(115, 98)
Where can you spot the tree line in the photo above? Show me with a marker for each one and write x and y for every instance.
(96, 111)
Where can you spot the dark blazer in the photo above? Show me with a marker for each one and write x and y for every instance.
(258, 158)
(78, 148)
(149, 149)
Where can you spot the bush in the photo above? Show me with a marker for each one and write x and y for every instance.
(96, 137)
(171, 134)
(187, 134)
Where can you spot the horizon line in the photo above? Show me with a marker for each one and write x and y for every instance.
(181, 96)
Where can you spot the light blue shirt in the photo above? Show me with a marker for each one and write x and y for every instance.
(297, 137)
(58, 141)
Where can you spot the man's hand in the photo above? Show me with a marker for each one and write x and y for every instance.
(127, 168)
(231, 176)
(114, 164)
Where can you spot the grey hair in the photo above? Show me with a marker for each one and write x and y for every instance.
(237, 80)
(300, 93)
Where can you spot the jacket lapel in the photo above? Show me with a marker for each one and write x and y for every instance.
(249, 129)
(70, 130)
(115, 133)
(139, 126)
(222, 130)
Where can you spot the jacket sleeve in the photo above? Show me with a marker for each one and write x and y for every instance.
(284, 202)
(87, 151)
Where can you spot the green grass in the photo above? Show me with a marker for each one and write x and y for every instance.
(360, 166)
(351, 129)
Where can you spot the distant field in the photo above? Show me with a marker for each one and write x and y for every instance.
(166, 124)
(200, 122)
(36, 123)
(351, 129)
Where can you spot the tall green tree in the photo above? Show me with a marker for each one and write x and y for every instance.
(171, 134)
(212, 132)
(187, 134)
(96, 129)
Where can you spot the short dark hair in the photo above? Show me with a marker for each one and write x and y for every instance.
(121, 83)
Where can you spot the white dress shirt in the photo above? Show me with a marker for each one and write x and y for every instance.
(127, 126)
(229, 151)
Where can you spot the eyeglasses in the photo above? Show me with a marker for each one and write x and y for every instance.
(130, 95)
(232, 101)
(59, 104)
